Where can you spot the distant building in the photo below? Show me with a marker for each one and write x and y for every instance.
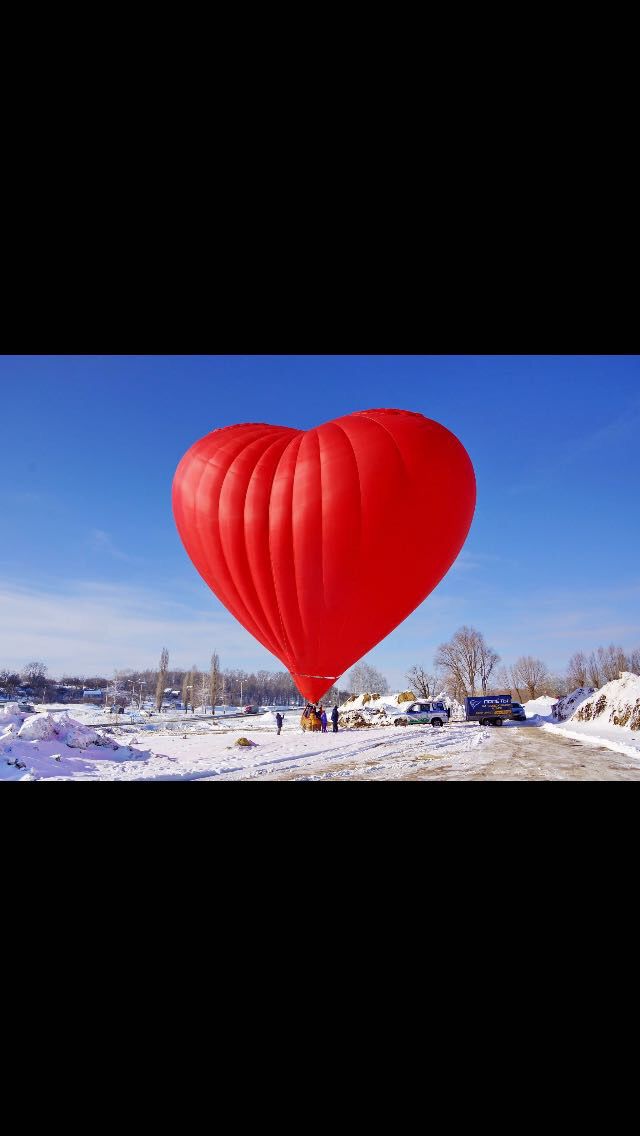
(93, 694)
(65, 693)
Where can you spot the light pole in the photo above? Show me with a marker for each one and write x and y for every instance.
(142, 683)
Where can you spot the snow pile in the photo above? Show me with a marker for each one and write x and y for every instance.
(33, 746)
(457, 708)
(10, 715)
(540, 707)
(50, 727)
(362, 710)
(617, 703)
(565, 707)
(609, 717)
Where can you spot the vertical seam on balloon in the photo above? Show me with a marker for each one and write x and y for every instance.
(239, 602)
(376, 422)
(320, 606)
(285, 638)
(322, 537)
(296, 566)
(273, 631)
(257, 603)
(202, 465)
(359, 541)
(366, 414)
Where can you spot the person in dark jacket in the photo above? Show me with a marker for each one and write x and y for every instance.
(279, 721)
(334, 719)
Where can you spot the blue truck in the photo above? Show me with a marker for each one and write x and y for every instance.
(487, 709)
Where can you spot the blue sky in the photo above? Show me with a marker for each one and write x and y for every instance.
(93, 575)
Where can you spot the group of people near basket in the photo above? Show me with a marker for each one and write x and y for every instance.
(320, 714)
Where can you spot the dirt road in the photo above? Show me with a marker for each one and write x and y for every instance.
(525, 753)
(528, 753)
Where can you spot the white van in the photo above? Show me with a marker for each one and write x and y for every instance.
(423, 712)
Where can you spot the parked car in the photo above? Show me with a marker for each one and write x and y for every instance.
(423, 712)
(517, 712)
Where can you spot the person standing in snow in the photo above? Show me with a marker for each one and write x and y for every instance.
(334, 719)
(279, 720)
(323, 719)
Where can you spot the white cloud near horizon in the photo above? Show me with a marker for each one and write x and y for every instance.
(91, 627)
(96, 628)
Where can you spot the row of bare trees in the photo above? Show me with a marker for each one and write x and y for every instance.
(34, 682)
(200, 689)
(467, 665)
(600, 666)
(214, 687)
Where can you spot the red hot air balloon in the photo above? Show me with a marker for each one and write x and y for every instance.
(320, 542)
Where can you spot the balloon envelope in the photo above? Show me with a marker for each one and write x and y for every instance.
(320, 542)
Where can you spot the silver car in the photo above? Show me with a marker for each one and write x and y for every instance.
(423, 712)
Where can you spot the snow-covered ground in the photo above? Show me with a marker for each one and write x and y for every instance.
(609, 717)
(56, 744)
(52, 747)
(45, 746)
(86, 712)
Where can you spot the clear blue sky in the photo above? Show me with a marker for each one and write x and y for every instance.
(93, 575)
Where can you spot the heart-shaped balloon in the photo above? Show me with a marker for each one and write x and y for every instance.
(320, 542)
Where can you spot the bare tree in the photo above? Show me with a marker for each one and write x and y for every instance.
(467, 662)
(421, 683)
(503, 680)
(9, 681)
(203, 692)
(214, 682)
(613, 660)
(515, 682)
(162, 678)
(35, 676)
(594, 671)
(488, 660)
(196, 687)
(364, 679)
(557, 686)
(633, 662)
(577, 670)
(531, 674)
(187, 689)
